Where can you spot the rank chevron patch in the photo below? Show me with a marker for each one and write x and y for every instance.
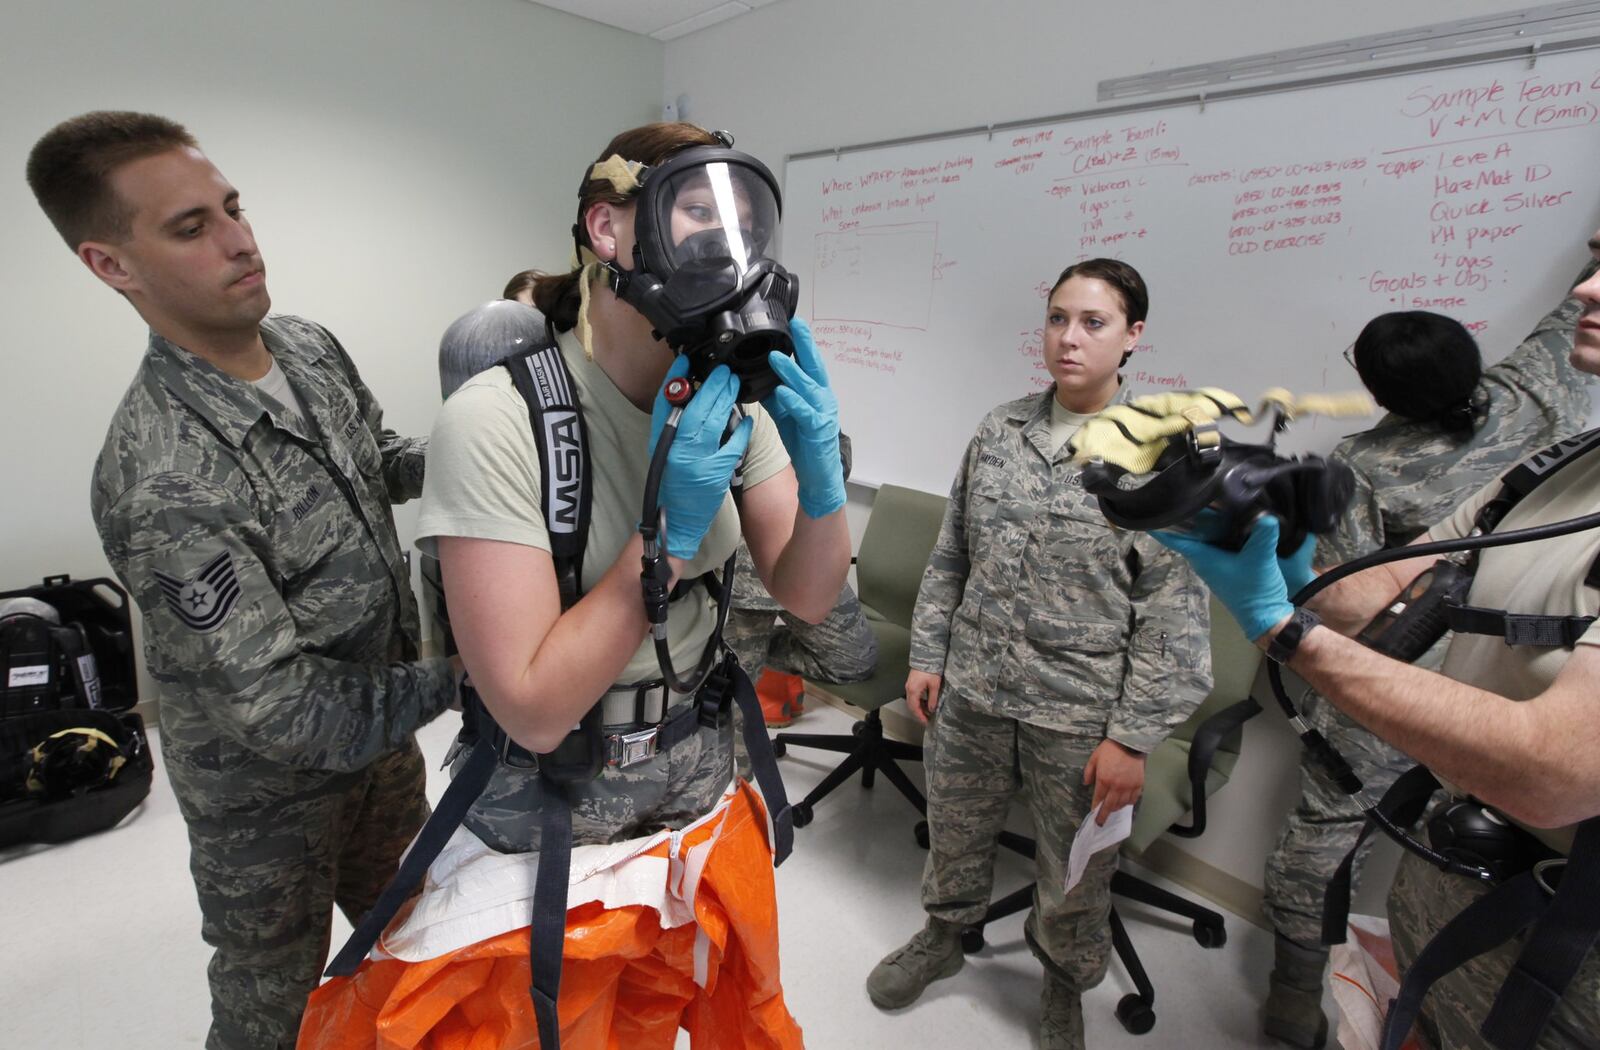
(204, 601)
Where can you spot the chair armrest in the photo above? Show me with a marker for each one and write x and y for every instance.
(1202, 750)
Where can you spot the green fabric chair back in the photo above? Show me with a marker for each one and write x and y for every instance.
(894, 552)
(1167, 795)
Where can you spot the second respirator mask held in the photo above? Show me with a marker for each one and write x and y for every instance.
(702, 273)
(1159, 462)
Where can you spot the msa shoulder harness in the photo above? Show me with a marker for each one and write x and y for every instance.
(556, 417)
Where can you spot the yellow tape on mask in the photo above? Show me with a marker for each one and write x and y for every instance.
(1132, 435)
(622, 174)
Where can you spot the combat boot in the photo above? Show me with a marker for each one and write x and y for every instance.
(900, 978)
(1061, 1023)
(1293, 1011)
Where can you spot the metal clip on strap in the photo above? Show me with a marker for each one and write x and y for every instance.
(629, 749)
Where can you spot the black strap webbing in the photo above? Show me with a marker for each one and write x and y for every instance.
(764, 764)
(1565, 929)
(1482, 926)
(458, 798)
(1560, 941)
(1403, 804)
(548, 929)
(1517, 628)
(1533, 472)
(565, 475)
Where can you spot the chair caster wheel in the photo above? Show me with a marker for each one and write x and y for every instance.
(1135, 1014)
(800, 814)
(1210, 936)
(779, 749)
(972, 939)
(921, 833)
(858, 728)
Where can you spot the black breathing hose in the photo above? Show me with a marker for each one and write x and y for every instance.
(1325, 754)
(656, 575)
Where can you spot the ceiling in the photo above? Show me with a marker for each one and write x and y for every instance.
(661, 19)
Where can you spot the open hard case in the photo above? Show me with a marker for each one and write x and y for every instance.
(37, 702)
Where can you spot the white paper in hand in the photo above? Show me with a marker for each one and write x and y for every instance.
(1092, 838)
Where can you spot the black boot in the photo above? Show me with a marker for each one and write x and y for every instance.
(1293, 1011)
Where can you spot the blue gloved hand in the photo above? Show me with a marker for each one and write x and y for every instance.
(807, 415)
(1296, 568)
(700, 464)
(1247, 581)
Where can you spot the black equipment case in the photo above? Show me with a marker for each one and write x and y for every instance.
(30, 714)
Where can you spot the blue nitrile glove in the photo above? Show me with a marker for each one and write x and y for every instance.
(700, 464)
(1247, 581)
(807, 415)
(1296, 568)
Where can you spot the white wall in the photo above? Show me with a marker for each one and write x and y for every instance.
(814, 74)
(400, 160)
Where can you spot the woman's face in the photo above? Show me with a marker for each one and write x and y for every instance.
(1086, 332)
(696, 208)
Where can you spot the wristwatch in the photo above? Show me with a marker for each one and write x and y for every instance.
(1288, 639)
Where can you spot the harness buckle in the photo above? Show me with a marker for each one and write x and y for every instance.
(1539, 869)
(514, 754)
(629, 749)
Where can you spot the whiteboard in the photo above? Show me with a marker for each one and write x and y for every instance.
(1269, 230)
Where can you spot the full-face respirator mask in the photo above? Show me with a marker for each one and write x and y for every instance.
(702, 274)
(1152, 468)
(1197, 481)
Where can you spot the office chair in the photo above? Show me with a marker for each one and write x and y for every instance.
(1191, 764)
(894, 552)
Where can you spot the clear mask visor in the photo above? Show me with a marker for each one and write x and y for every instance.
(720, 214)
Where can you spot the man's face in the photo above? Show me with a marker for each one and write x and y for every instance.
(1586, 340)
(190, 264)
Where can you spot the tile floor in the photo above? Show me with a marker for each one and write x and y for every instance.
(102, 943)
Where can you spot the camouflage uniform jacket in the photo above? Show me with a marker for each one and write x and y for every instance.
(1034, 607)
(1409, 475)
(262, 553)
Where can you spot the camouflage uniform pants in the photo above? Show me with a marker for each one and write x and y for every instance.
(839, 649)
(267, 889)
(842, 648)
(1324, 824)
(976, 764)
(1422, 900)
(670, 789)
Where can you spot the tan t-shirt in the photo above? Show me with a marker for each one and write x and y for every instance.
(483, 483)
(1064, 424)
(1545, 577)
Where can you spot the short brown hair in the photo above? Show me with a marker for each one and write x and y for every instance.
(1123, 279)
(69, 170)
(557, 296)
